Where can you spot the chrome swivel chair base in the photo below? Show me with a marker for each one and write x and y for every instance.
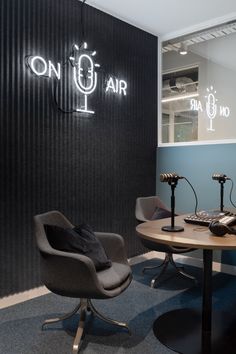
(168, 260)
(84, 306)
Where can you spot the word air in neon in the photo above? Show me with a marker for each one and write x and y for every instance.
(116, 86)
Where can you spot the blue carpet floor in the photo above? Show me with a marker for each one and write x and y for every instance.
(139, 306)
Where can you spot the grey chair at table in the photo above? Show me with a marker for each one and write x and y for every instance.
(145, 210)
(74, 275)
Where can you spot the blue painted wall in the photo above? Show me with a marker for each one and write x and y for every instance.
(197, 164)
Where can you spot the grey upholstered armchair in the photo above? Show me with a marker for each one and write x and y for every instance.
(145, 210)
(74, 275)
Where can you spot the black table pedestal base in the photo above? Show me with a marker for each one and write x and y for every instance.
(181, 331)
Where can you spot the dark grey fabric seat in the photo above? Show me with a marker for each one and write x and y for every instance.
(74, 275)
(144, 210)
(113, 278)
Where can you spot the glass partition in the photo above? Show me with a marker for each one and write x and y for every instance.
(198, 90)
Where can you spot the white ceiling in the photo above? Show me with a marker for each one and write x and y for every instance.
(168, 18)
(216, 49)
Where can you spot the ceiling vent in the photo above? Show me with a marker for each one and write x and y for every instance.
(198, 37)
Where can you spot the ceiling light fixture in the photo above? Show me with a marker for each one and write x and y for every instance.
(183, 49)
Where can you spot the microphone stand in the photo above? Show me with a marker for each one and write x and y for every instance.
(222, 182)
(222, 195)
(221, 178)
(172, 228)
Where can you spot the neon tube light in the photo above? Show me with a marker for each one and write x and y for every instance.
(181, 97)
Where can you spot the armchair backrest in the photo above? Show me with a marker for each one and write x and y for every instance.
(50, 218)
(145, 207)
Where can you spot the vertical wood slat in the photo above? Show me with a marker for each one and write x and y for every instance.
(92, 169)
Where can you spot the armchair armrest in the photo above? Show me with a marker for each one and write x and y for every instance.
(114, 246)
(69, 273)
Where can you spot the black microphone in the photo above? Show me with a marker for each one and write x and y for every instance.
(168, 177)
(219, 177)
(172, 179)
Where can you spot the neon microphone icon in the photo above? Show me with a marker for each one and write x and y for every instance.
(85, 77)
(211, 107)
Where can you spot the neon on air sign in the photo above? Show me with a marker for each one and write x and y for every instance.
(211, 107)
(84, 74)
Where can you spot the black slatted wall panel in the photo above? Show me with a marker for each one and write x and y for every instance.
(90, 168)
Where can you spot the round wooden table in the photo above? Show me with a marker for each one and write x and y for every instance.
(189, 331)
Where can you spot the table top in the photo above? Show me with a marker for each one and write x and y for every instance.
(193, 236)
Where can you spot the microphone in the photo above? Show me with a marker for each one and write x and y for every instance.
(168, 177)
(219, 177)
(172, 179)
